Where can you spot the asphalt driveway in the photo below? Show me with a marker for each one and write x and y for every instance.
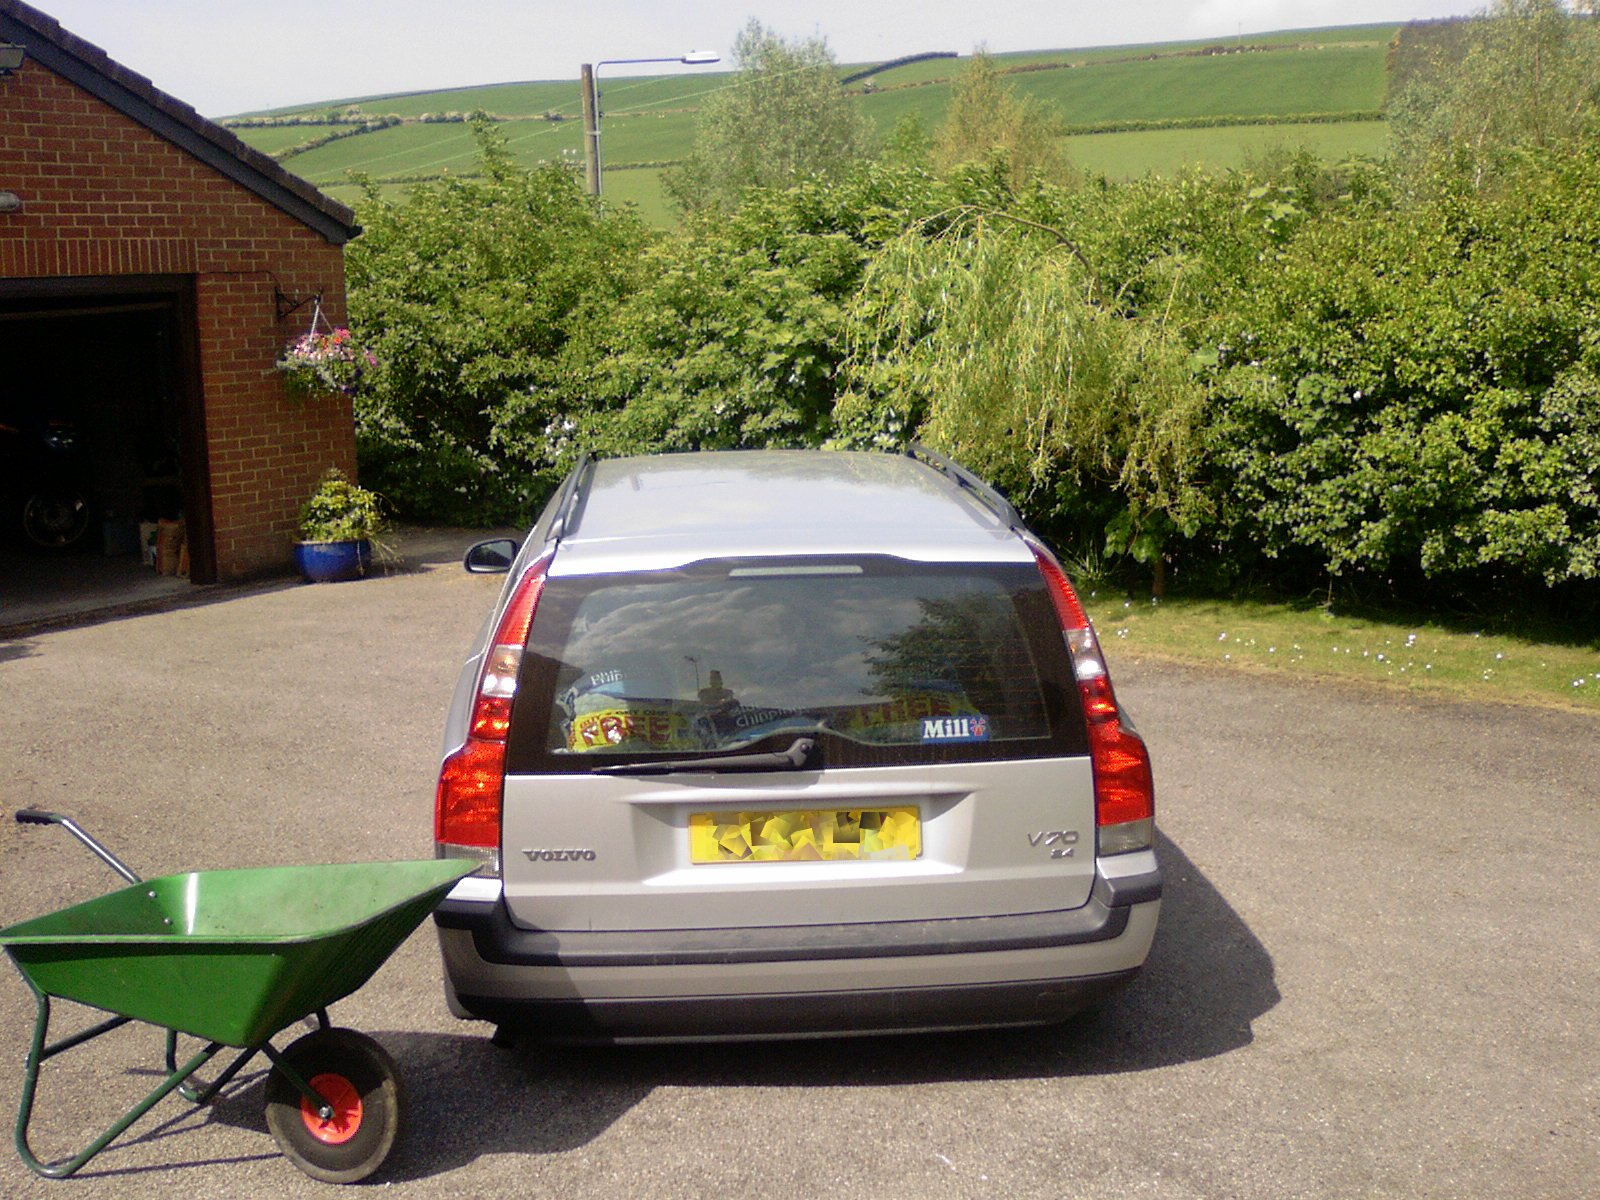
(1378, 971)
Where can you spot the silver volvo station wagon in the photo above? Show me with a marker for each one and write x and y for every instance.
(782, 744)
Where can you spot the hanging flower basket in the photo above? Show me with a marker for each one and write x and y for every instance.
(316, 364)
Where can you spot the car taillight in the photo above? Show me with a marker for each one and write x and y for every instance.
(1124, 790)
(467, 802)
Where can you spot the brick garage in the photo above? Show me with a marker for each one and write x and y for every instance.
(133, 228)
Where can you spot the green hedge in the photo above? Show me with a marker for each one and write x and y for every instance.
(1150, 126)
(1289, 373)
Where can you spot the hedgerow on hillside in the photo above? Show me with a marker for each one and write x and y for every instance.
(1299, 374)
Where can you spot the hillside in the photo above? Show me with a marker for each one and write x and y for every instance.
(1129, 110)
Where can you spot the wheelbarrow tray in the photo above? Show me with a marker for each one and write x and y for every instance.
(231, 956)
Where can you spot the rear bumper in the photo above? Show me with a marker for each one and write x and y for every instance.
(797, 1014)
(498, 941)
(801, 980)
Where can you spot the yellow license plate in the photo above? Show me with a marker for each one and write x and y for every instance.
(809, 835)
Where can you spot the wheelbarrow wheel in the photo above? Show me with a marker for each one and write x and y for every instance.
(357, 1078)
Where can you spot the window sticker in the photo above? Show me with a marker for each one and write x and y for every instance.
(632, 727)
(955, 729)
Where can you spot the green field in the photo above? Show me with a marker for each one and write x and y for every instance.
(1161, 151)
(1275, 83)
(1367, 36)
(404, 152)
(641, 188)
(527, 99)
(1339, 78)
(649, 121)
(401, 150)
(279, 138)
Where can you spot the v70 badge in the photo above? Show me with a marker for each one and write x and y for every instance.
(1061, 842)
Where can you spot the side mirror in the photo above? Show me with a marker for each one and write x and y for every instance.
(493, 557)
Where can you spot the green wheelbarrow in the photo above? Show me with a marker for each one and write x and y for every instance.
(233, 958)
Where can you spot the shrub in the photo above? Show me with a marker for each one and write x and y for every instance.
(340, 511)
(1412, 393)
(467, 291)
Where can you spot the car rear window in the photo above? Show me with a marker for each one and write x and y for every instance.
(881, 660)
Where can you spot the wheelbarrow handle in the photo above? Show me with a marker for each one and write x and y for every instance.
(38, 816)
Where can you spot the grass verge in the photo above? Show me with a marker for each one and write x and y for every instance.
(1421, 657)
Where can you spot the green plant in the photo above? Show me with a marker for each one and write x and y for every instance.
(1410, 394)
(1469, 97)
(991, 342)
(1291, 376)
(781, 118)
(318, 363)
(341, 511)
(986, 118)
(469, 291)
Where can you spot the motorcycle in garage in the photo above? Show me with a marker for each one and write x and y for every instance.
(47, 501)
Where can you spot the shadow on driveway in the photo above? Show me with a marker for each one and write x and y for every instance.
(1207, 980)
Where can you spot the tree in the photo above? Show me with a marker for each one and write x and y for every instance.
(783, 117)
(987, 341)
(986, 119)
(735, 334)
(1524, 76)
(908, 143)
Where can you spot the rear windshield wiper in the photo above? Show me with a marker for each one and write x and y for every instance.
(791, 759)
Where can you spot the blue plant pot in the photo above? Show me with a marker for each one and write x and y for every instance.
(329, 562)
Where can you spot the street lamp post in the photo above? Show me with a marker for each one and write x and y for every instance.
(591, 105)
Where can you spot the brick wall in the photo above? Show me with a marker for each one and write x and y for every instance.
(103, 195)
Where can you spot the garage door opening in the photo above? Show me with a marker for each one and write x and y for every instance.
(103, 494)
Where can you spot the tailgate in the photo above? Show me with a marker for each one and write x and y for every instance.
(599, 853)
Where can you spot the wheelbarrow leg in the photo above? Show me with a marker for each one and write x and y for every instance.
(38, 1052)
(204, 1093)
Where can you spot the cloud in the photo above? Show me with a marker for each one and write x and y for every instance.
(1217, 18)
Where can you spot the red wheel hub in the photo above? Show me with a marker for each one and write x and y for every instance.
(345, 1101)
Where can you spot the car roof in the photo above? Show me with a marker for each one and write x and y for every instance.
(662, 511)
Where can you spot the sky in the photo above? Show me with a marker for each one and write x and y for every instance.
(231, 56)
